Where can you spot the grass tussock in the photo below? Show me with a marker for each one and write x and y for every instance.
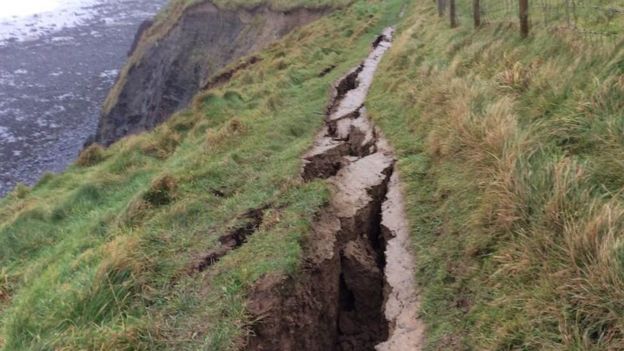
(162, 191)
(21, 191)
(233, 128)
(164, 141)
(91, 155)
(510, 155)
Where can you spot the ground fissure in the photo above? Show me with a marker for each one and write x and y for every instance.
(343, 300)
(237, 237)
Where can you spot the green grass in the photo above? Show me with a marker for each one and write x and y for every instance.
(100, 257)
(511, 153)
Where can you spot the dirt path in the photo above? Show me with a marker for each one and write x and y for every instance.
(357, 291)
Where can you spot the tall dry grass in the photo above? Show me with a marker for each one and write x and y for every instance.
(511, 152)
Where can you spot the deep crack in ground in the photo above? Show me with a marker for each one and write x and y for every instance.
(236, 238)
(357, 290)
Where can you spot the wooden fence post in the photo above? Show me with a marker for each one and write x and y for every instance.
(476, 13)
(524, 18)
(441, 7)
(453, 13)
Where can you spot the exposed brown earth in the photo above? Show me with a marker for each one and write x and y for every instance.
(224, 77)
(236, 238)
(356, 290)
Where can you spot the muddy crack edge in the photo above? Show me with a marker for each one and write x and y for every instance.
(356, 290)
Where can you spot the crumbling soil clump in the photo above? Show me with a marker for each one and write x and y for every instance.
(234, 239)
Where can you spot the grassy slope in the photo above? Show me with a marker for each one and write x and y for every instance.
(99, 257)
(511, 152)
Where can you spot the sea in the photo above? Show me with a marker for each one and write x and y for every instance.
(58, 59)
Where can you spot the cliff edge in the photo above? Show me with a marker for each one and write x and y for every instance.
(168, 66)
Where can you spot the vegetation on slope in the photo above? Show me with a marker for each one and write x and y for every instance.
(511, 152)
(104, 256)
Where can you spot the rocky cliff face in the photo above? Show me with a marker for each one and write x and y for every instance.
(164, 74)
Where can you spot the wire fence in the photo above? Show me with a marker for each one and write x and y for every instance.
(598, 21)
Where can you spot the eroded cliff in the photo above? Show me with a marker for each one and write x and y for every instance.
(165, 72)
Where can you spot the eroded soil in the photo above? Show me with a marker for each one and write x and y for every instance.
(236, 238)
(357, 290)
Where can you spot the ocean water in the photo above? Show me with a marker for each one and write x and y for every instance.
(58, 59)
(26, 8)
(22, 20)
